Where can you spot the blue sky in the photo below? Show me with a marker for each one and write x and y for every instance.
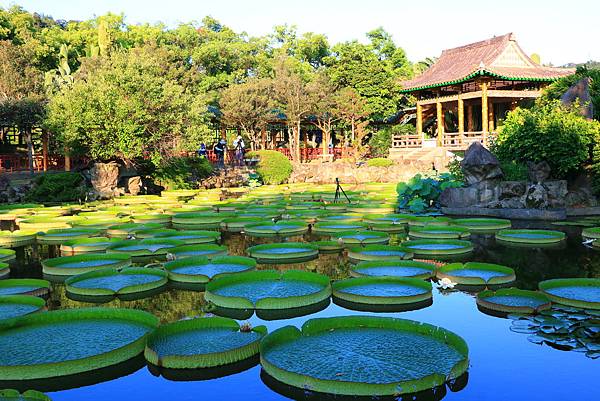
(559, 31)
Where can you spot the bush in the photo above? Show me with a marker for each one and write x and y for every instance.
(380, 162)
(455, 168)
(381, 141)
(57, 187)
(420, 193)
(182, 172)
(273, 166)
(514, 171)
(550, 132)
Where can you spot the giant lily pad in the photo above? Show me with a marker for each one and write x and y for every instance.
(268, 289)
(530, 236)
(13, 239)
(429, 221)
(333, 228)
(29, 395)
(7, 254)
(4, 270)
(194, 272)
(475, 273)
(591, 233)
(285, 252)
(438, 232)
(202, 343)
(326, 247)
(477, 225)
(71, 341)
(281, 229)
(513, 300)
(87, 245)
(577, 292)
(192, 237)
(377, 252)
(129, 229)
(365, 292)
(58, 236)
(206, 250)
(199, 220)
(340, 218)
(393, 268)
(364, 356)
(12, 306)
(145, 247)
(105, 284)
(437, 247)
(24, 286)
(77, 264)
(353, 238)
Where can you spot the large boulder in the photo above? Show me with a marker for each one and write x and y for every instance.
(536, 197)
(538, 172)
(105, 178)
(580, 92)
(479, 164)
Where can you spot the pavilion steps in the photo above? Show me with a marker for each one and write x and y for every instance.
(426, 158)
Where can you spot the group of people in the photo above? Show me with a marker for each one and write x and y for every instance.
(220, 150)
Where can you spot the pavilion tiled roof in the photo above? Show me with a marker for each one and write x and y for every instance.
(499, 57)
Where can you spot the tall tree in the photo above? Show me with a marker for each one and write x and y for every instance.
(323, 107)
(352, 108)
(249, 106)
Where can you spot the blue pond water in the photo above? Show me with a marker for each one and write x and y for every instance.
(401, 271)
(8, 311)
(360, 237)
(484, 274)
(514, 300)
(203, 341)
(210, 269)
(384, 290)
(531, 235)
(89, 263)
(63, 341)
(383, 253)
(265, 289)
(197, 252)
(116, 282)
(581, 293)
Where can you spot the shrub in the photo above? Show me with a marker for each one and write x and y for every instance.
(57, 187)
(380, 162)
(514, 171)
(455, 169)
(182, 172)
(381, 141)
(420, 193)
(273, 166)
(550, 132)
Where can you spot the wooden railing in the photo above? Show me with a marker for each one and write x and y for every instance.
(450, 140)
(407, 140)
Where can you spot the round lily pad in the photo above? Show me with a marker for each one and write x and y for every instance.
(162, 219)
(29, 395)
(380, 291)
(71, 341)
(281, 228)
(268, 289)
(194, 272)
(482, 224)
(129, 229)
(126, 283)
(333, 228)
(396, 219)
(13, 239)
(12, 306)
(591, 233)
(58, 236)
(202, 343)
(438, 232)
(476, 273)
(7, 254)
(285, 252)
(145, 247)
(429, 221)
(364, 356)
(437, 247)
(530, 236)
(353, 238)
(513, 300)
(577, 292)
(340, 218)
(24, 286)
(329, 246)
(87, 245)
(377, 252)
(393, 268)
(191, 237)
(77, 264)
(206, 250)
(4, 270)
(199, 220)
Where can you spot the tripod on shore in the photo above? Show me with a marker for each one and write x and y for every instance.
(339, 191)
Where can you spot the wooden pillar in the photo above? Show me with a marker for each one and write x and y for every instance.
(491, 115)
(419, 119)
(45, 150)
(484, 107)
(470, 118)
(440, 123)
(461, 114)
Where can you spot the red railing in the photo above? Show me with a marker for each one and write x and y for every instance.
(21, 163)
(306, 154)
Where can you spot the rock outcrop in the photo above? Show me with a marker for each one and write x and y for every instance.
(479, 164)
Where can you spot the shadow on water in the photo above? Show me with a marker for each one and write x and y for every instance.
(205, 373)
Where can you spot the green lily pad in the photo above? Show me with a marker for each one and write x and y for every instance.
(393, 268)
(194, 272)
(530, 236)
(77, 264)
(192, 237)
(281, 228)
(13, 239)
(577, 292)
(478, 225)
(353, 238)
(475, 273)
(438, 232)
(377, 252)
(333, 227)
(375, 291)
(513, 300)
(87, 245)
(7, 254)
(207, 250)
(437, 247)
(24, 286)
(282, 253)
(12, 306)
(145, 247)
(29, 395)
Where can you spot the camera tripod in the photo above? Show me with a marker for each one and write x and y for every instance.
(339, 191)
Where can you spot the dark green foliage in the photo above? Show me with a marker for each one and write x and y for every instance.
(421, 193)
(381, 141)
(558, 88)
(273, 167)
(182, 172)
(455, 169)
(513, 171)
(58, 187)
(380, 162)
(547, 132)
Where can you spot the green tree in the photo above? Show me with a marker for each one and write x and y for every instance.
(137, 103)
(322, 98)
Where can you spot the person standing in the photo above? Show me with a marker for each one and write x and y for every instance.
(202, 151)
(239, 147)
(220, 148)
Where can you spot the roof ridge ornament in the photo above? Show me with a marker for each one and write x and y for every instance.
(482, 65)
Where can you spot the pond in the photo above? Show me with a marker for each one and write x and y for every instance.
(504, 365)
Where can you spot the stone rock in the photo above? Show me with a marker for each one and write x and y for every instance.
(479, 164)
(557, 192)
(104, 178)
(536, 197)
(538, 172)
(580, 91)
(134, 185)
(459, 197)
(511, 189)
(580, 197)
